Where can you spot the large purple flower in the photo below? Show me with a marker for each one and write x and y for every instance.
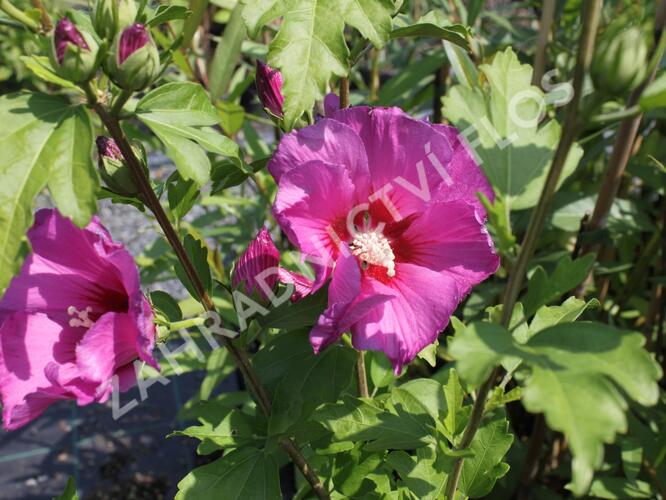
(388, 206)
(73, 319)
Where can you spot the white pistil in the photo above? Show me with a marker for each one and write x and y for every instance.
(372, 247)
(81, 318)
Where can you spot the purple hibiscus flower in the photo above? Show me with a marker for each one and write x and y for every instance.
(72, 320)
(387, 205)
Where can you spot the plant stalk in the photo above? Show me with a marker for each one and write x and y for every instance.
(571, 128)
(15, 13)
(362, 375)
(152, 202)
(622, 148)
(547, 16)
(344, 93)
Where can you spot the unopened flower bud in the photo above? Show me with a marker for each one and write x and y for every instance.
(111, 16)
(620, 58)
(113, 168)
(269, 88)
(73, 52)
(257, 268)
(134, 61)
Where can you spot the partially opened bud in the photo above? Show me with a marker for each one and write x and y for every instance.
(257, 269)
(73, 52)
(269, 88)
(134, 61)
(114, 170)
(111, 16)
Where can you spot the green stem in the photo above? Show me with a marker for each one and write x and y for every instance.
(240, 356)
(186, 323)
(8, 8)
(120, 101)
(547, 16)
(571, 128)
(362, 375)
(616, 116)
(344, 93)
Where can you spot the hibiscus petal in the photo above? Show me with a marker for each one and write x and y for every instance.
(421, 307)
(345, 305)
(316, 227)
(56, 239)
(302, 284)
(109, 344)
(399, 150)
(448, 238)
(328, 141)
(27, 344)
(467, 178)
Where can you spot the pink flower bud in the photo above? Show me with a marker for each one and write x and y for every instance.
(257, 268)
(66, 33)
(107, 147)
(131, 40)
(269, 87)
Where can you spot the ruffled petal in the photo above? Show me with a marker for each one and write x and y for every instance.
(326, 141)
(27, 345)
(448, 238)
(345, 306)
(407, 155)
(312, 205)
(82, 251)
(109, 344)
(422, 304)
(302, 284)
(466, 177)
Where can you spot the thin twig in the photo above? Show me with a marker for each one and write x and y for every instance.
(8, 8)
(547, 16)
(45, 18)
(622, 148)
(570, 131)
(362, 375)
(344, 92)
(152, 202)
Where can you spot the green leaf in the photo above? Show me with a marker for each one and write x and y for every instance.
(232, 116)
(543, 288)
(363, 420)
(166, 305)
(425, 474)
(568, 312)
(654, 96)
(453, 395)
(491, 442)
(232, 429)
(632, 457)
(226, 54)
(294, 315)
(620, 488)
(181, 194)
(381, 370)
(310, 46)
(435, 25)
(310, 382)
(69, 493)
(241, 474)
(198, 253)
(73, 180)
(37, 144)
(279, 354)
(499, 225)
(576, 371)
(180, 115)
(166, 13)
(514, 152)
(461, 64)
(42, 68)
